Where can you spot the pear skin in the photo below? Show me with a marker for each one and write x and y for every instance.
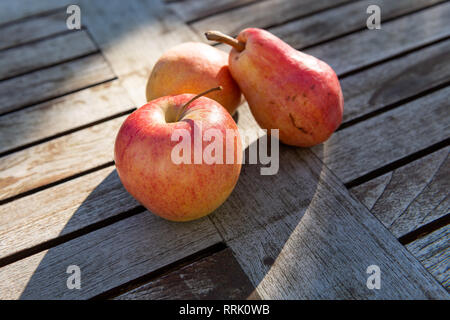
(194, 67)
(285, 89)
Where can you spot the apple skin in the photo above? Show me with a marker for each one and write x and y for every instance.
(194, 67)
(142, 153)
(286, 89)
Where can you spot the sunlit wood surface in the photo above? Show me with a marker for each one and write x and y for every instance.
(376, 193)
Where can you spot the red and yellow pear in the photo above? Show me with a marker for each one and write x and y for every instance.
(285, 89)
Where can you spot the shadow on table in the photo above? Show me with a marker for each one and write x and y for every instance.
(260, 217)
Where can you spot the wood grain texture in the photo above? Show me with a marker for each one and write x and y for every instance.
(36, 55)
(357, 150)
(433, 251)
(330, 23)
(107, 258)
(411, 196)
(62, 114)
(300, 235)
(216, 277)
(79, 203)
(396, 80)
(262, 15)
(19, 9)
(49, 83)
(269, 252)
(133, 35)
(32, 29)
(369, 46)
(190, 10)
(395, 37)
(58, 159)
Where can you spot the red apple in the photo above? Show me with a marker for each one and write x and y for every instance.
(147, 155)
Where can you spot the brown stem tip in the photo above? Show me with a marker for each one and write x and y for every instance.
(180, 112)
(221, 37)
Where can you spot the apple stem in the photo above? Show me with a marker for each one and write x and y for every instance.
(221, 37)
(180, 112)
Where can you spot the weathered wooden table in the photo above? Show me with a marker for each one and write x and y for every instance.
(376, 193)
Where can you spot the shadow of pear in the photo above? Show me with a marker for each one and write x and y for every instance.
(246, 221)
(264, 214)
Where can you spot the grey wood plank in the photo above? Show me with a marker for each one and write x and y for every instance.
(32, 29)
(190, 10)
(19, 9)
(262, 15)
(433, 250)
(300, 235)
(357, 150)
(411, 196)
(59, 158)
(396, 80)
(44, 53)
(52, 82)
(341, 20)
(80, 203)
(362, 49)
(59, 115)
(366, 47)
(122, 31)
(107, 258)
(216, 277)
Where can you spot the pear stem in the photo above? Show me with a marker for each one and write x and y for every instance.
(221, 37)
(180, 112)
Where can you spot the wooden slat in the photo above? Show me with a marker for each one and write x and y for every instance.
(262, 15)
(19, 9)
(347, 18)
(300, 235)
(410, 196)
(48, 83)
(216, 277)
(58, 159)
(62, 114)
(122, 31)
(108, 257)
(44, 53)
(190, 10)
(32, 214)
(433, 250)
(364, 48)
(79, 203)
(396, 80)
(33, 29)
(357, 150)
